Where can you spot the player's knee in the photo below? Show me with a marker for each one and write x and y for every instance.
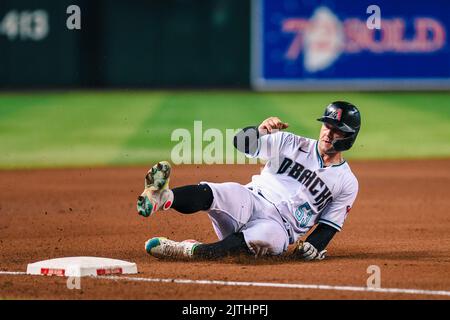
(266, 239)
(263, 248)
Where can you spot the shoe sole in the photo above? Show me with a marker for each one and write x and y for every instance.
(157, 177)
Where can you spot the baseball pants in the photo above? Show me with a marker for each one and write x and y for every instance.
(236, 208)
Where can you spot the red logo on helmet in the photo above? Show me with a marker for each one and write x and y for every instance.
(336, 114)
(339, 114)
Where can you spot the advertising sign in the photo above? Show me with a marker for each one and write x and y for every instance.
(349, 44)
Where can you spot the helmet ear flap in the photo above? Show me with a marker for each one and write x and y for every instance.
(344, 143)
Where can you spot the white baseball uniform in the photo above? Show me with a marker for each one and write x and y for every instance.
(292, 193)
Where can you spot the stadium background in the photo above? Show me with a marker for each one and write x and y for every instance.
(110, 95)
(183, 45)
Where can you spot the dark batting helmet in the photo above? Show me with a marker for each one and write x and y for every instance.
(345, 117)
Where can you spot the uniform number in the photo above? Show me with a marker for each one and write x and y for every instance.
(303, 214)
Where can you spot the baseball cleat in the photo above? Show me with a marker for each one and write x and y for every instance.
(156, 195)
(158, 176)
(161, 247)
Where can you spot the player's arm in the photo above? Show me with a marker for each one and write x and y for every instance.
(246, 140)
(313, 248)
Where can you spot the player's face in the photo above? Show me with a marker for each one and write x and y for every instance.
(329, 133)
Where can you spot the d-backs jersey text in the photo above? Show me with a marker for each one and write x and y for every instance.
(296, 181)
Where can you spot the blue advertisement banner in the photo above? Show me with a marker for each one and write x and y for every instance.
(348, 44)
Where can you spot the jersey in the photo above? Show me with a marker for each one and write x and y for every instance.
(295, 180)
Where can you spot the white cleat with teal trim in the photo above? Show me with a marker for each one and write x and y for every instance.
(161, 247)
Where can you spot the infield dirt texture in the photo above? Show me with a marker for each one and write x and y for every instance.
(400, 221)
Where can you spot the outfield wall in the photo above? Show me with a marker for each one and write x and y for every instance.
(268, 44)
(161, 43)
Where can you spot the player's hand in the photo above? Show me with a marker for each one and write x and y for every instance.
(271, 124)
(308, 252)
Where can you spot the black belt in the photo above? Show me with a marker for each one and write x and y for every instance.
(287, 225)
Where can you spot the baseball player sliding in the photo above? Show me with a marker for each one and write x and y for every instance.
(305, 182)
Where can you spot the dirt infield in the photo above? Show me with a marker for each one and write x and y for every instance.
(400, 222)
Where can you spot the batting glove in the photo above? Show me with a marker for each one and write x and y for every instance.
(307, 251)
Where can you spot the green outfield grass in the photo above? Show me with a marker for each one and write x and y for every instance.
(134, 127)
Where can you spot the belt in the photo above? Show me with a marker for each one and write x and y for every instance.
(287, 225)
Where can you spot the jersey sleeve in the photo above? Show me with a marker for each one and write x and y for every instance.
(336, 213)
(271, 146)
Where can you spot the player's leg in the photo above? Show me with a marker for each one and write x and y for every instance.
(190, 249)
(192, 198)
(259, 233)
(231, 207)
(233, 244)
(229, 204)
(265, 237)
(254, 230)
(259, 237)
(186, 199)
(158, 196)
